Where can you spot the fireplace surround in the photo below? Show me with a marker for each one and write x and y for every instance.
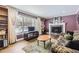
(56, 28)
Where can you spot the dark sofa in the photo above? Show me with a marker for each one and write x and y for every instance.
(74, 44)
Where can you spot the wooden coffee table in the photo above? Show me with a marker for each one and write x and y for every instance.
(43, 38)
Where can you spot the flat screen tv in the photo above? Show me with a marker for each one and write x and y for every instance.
(31, 28)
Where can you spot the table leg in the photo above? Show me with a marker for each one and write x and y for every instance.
(50, 42)
(50, 45)
(44, 44)
(37, 42)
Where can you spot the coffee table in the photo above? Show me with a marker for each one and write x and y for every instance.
(43, 38)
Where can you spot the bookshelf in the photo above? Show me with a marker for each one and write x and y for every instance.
(3, 24)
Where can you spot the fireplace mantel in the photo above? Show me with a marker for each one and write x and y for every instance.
(56, 25)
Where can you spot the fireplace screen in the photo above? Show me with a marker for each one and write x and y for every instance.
(57, 29)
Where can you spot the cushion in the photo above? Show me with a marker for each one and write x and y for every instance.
(76, 37)
(68, 37)
(63, 42)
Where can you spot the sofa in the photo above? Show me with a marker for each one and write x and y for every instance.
(62, 49)
(65, 46)
(74, 44)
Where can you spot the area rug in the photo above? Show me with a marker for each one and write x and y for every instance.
(34, 48)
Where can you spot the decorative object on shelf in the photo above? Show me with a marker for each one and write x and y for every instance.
(3, 43)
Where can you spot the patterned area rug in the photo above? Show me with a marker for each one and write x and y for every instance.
(34, 48)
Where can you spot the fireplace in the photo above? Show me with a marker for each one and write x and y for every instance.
(56, 28)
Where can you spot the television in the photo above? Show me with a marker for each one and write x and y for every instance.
(31, 28)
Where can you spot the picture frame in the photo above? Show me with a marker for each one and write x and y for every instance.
(78, 19)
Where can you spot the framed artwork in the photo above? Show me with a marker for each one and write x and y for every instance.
(78, 19)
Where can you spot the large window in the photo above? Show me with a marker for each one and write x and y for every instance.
(22, 22)
(19, 25)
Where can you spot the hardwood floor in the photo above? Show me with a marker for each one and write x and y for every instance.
(15, 48)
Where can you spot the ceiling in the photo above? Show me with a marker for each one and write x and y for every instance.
(49, 11)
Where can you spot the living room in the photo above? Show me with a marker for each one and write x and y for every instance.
(39, 29)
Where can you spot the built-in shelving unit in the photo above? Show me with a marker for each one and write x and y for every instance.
(3, 24)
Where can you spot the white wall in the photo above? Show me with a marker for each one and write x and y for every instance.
(37, 23)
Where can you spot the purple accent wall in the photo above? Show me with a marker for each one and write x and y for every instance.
(70, 20)
(77, 21)
(47, 24)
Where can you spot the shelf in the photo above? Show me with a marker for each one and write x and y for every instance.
(3, 22)
(3, 15)
(3, 12)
